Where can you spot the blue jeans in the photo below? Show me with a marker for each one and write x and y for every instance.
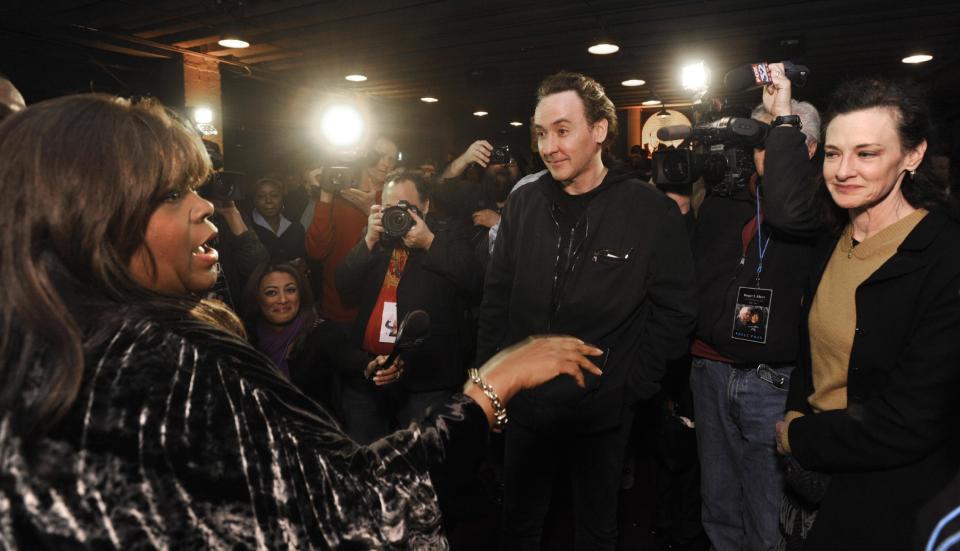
(742, 478)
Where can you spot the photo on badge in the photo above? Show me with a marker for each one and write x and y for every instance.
(751, 315)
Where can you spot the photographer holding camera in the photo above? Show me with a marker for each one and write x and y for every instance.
(478, 204)
(407, 261)
(752, 254)
(241, 250)
(338, 221)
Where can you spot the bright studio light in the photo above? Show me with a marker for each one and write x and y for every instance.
(356, 78)
(918, 58)
(695, 76)
(203, 115)
(341, 125)
(633, 82)
(603, 48)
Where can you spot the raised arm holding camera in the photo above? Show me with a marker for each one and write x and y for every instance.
(751, 254)
(340, 216)
(479, 205)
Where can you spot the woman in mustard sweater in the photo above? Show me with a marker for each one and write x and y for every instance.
(873, 398)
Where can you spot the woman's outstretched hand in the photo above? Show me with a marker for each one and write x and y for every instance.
(532, 362)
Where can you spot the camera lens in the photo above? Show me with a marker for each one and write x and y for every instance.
(396, 221)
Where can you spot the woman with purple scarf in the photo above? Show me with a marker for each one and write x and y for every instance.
(304, 347)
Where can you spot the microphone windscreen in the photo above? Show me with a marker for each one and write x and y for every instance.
(415, 325)
(739, 79)
(676, 132)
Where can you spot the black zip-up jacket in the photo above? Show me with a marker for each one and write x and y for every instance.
(629, 290)
(786, 194)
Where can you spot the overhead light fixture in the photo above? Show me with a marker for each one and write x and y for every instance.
(695, 76)
(231, 37)
(232, 41)
(917, 58)
(653, 101)
(516, 123)
(633, 82)
(480, 113)
(663, 113)
(604, 47)
(428, 99)
(356, 77)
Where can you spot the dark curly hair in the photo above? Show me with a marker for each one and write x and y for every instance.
(924, 189)
(595, 101)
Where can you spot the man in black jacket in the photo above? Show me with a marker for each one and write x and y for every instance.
(432, 268)
(752, 257)
(587, 251)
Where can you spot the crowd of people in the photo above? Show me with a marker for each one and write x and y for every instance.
(170, 379)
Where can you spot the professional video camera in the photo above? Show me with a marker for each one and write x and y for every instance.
(724, 155)
(397, 220)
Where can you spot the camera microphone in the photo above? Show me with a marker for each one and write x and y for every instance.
(412, 332)
(675, 132)
(754, 75)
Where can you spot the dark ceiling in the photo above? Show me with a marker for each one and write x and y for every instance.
(483, 54)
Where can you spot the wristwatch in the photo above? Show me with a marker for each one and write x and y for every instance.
(792, 120)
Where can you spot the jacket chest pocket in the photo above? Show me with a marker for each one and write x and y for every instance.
(608, 270)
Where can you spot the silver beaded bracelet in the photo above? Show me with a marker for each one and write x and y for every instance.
(499, 411)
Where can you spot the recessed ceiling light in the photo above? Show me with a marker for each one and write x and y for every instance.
(633, 82)
(603, 48)
(651, 102)
(480, 113)
(918, 58)
(233, 42)
(516, 123)
(356, 78)
(428, 99)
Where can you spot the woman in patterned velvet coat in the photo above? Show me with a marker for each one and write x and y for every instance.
(133, 414)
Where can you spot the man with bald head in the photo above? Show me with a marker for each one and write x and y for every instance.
(11, 100)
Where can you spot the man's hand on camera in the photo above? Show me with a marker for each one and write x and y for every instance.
(478, 152)
(374, 227)
(419, 236)
(363, 200)
(486, 218)
(776, 96)
(311, 181)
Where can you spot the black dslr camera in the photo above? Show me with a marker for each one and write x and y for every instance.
(397, 220)
(723, 156)
(500, 155)
(221, 185)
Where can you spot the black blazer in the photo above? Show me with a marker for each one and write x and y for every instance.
(893, 446)
(441, 281)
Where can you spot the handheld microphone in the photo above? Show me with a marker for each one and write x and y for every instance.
(413, 330)
(755, 75)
